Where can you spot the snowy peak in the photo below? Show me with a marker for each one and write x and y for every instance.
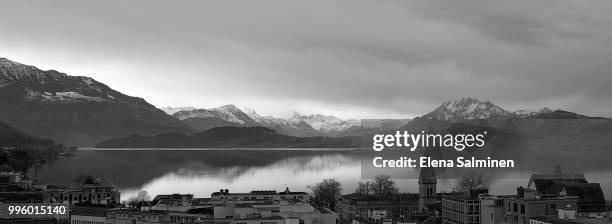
(229, 113)
(30, 83)
(299, 125)
(74, 109)
(325, 123)
(466, 109)
(228, 109)
(173, 110)
(197, 113)
(531, 113)
(233, 114)
(266, 121)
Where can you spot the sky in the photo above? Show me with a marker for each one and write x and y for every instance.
(352, 59)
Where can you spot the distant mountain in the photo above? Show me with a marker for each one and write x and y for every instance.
(559, 114)
(297, 125)
(203, 119)
(172, 110)
(370, 127)
(466, 109)
(531, 113)
(520, 135)
(327, 125)
(75, 110)
(292, 127)
(230, 137)
(472, 109)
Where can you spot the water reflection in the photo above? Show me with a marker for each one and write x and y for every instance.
(204, 172)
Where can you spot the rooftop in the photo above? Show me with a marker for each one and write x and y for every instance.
(578, 220)
(471, 194)
(261, 192)
(372, 197)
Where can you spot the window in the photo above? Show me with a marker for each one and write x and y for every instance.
(522, 208)
(515, 205)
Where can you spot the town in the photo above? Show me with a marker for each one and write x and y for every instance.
(548, 198)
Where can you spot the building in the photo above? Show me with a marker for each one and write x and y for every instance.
(567, 215)
(224, 194)
(17, 189)
(131, 216)
(356, 207)
(12, 181)
(492, 209)
(556, 220)
(255, 207)
(427, 188)
(462, 208)
(591, 201)
(88, 215)
(258, 210)
(93, 194)
(174, 202)
(528, 204)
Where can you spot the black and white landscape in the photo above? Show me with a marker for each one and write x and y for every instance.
(196, 96)
(80, 111)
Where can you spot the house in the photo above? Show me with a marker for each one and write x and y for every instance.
(462, 207)
(591, 201)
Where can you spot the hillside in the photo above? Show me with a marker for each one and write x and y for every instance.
(13, 138)
(75, 110)
(229, 137)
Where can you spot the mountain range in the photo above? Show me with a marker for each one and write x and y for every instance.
(468, 108)
(78, 110)
(74, 110)
(297, 125)
(230, 137)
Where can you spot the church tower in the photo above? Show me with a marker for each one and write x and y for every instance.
(427, 187)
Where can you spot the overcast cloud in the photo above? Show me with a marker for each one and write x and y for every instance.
(353, 59)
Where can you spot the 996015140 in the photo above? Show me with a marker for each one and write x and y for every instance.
(33, 210)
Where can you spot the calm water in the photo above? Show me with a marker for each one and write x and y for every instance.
(201, 172)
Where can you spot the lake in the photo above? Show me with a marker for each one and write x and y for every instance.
(204, 171)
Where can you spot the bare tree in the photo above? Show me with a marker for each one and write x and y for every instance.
(138, 200)
(363, 188)
(472, 179)
(383, 185)
(326, 193)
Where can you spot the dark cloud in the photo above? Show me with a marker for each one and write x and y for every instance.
(351, 58)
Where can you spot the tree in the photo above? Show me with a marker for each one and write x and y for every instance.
(85, 179)
(383, 185)
(139, 200)
(4, 158)
(363, 188)
(472, 179)
(326, 193)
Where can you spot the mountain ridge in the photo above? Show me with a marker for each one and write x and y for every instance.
(229, 137)
(468, 108)
(75, 110)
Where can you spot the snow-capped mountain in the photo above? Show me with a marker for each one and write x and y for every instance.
(74, 109)
(324, 123)
(293, 127)
(470, 109)
(531, 113)
(173, 110)
(297, 125)
(53, 86)
(466, 109)
(229, 113)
